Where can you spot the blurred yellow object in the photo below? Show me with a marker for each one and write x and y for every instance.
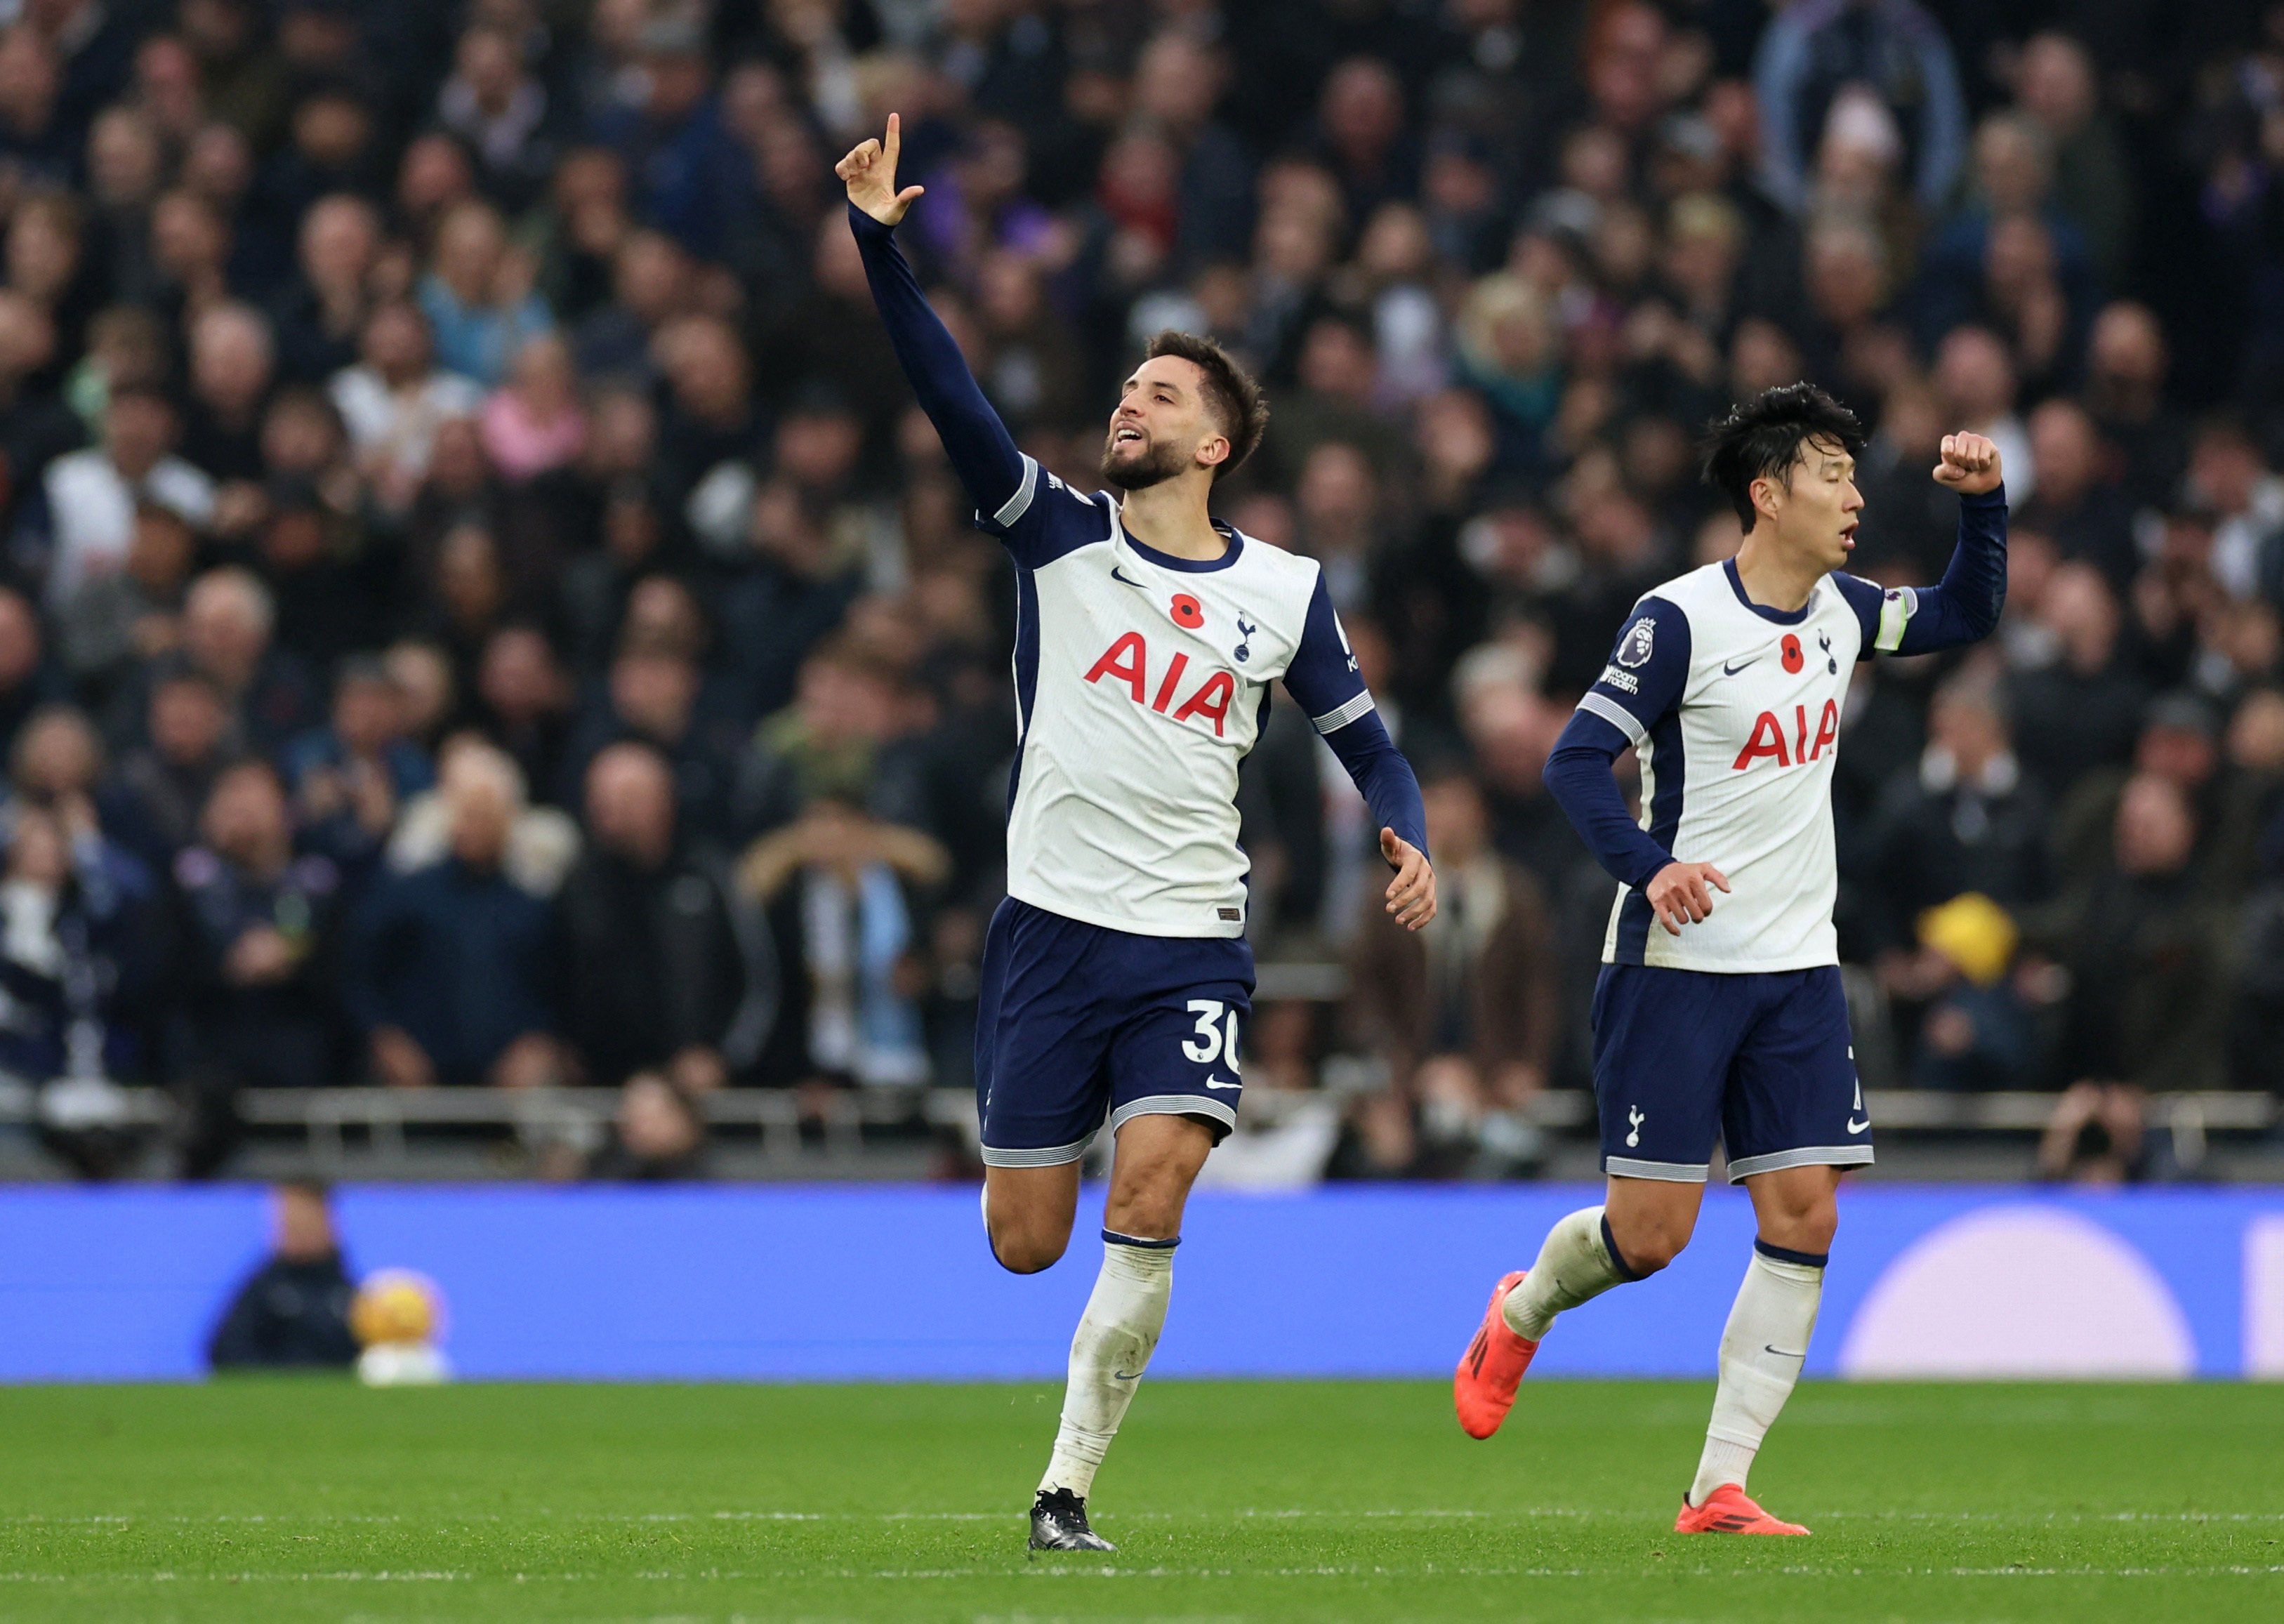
(1974, 934)
(396, 1307)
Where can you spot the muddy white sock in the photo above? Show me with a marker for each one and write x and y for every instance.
(1761, 1354)
(1115, 1336)
(1579, 1262)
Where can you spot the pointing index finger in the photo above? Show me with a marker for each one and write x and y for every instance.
(896, 141)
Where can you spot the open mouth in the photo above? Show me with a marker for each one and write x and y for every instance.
(1126, 436)
(1847, 536)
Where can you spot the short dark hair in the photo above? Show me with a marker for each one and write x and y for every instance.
(1232, 394)
(1763, 436)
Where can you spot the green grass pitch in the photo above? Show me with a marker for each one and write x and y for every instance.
(315, 1500)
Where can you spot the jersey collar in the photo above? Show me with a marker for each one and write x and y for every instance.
(1782, 617)
(1167, 560)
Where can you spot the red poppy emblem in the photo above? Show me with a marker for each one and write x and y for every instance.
(1791, 652)
(1188, 616)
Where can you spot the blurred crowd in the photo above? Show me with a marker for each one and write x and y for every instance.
(480, 608)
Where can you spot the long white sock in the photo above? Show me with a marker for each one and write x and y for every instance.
(1579, 1262)
(1115, 1336)
(1761, 1354)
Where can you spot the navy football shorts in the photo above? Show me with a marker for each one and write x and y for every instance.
(1078, 1024)
(1762, 1061)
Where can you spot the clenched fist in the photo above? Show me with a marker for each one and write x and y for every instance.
(1970, 464)
(870, 173)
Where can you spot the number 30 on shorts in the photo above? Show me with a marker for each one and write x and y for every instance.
(1217, 1038)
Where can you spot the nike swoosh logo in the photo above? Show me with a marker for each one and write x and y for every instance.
(1771, 1347)
(1128, 580)
(1854, 1126)
(1733, 670)
(1216, 1083)
(1126, 1376)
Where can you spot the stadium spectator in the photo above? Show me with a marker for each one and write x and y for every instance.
(91, 494)
(657, 1134)
(1465, 1011)
(255, 938)
(653, 971)
(447, 970)
(293, 1310)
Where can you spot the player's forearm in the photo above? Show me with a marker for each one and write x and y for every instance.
(1383, 776)
(1964, 606)
(1579, 777)
(983, 452)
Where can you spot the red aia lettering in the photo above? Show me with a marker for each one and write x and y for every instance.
(1210, 700)
(1767, 740)
(1827, 731)
(1127, 661)
(1115, 662)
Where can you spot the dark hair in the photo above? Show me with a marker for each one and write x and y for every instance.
(1232, 394)
(1763, 437)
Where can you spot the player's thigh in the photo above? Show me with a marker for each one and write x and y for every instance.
(1793, 1100)
(1662, 1042)
(1028, 1213)
(1179, 1050)
(1046, 1013)
(1157, 1159)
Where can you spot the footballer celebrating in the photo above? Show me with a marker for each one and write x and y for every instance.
(1117, 976)
(1718, 1013)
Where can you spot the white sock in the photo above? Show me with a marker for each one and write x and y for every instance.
(1113, 1347)
(1577, 1263)
(1761, 1354)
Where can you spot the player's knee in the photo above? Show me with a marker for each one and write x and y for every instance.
(1648, 1245)
(1021, 1252)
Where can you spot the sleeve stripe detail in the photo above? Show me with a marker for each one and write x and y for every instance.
(1895, 613)
(1616, 715)
(1019, 503)
(1333, 720)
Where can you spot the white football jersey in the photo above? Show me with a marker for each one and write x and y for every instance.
(1735, 712)
(1141, 682)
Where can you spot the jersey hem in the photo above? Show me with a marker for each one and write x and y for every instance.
(1729, 966)
(1224, 932)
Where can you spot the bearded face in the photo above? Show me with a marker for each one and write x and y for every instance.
(1132, 461)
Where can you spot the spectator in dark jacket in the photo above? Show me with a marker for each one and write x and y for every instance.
(448, 969)
(1964, 819)
(653, 974)
(255, 943)
(1466, 1012)
(294, 1309)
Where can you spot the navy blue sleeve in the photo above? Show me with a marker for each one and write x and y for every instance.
(1961, 608)
(1579, 777)
(1323, 677)
(1000, 480)
(1642, 684)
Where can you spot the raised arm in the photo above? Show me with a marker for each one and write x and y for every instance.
(999, 479)
(1964, 606)
(1323, 678)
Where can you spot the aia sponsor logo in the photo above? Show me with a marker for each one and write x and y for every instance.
(1769, 740)
(1126, 663)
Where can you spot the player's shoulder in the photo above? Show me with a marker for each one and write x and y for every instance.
(1292, 575)
(1689, 594)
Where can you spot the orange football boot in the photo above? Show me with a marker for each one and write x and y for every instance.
(1729, 1510)
(1483, 1388)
